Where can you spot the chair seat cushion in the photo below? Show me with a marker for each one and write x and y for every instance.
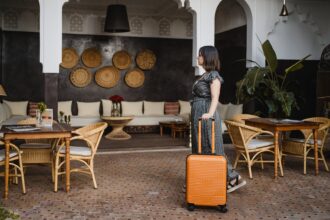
(310, 141)
(35, 145)
(79, 151)
(257, 143)
(11, 154)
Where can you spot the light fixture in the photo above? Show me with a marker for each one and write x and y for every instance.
(284, 11)
(116, 19)
(2, 91)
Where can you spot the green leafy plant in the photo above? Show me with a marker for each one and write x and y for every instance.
(7, 214)
(268, 87)
(61, 113)
(42, 107)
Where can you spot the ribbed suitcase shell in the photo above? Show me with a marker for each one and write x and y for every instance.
(206, 177)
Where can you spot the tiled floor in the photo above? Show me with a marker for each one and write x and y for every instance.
(147, 185)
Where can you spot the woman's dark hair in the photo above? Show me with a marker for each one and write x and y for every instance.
(211, 58)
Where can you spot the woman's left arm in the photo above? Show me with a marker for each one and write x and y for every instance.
(215, 93)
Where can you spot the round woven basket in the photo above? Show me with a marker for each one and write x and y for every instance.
(91, 57)
(70, 58)
(146, 59)
(80, 77)
(134, 78)
(121, 59)
(107, 76)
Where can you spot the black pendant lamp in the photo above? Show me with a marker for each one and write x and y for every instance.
(116, 19)
(284, 11)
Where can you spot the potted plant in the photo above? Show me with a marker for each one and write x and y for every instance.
(116, 100)
(41, 108)
(268, 87)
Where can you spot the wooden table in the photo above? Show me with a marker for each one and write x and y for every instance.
(279, 125)
(117, 124)
(173, 125)
(56, 131)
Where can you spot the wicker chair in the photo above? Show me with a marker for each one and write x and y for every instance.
(302, 147)
(241, 117)
(91, 134)
(247, 144)
(37, 151)
(15, 155)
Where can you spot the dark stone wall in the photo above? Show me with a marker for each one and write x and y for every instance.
(171, 78)
(0, 55)
(232, 47)
(21, 71)
(305, 88)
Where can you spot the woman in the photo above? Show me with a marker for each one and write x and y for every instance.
(206, 92)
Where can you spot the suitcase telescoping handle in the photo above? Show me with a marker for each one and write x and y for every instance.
(200, 136)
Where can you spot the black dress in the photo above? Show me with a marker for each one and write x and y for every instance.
(200, 105)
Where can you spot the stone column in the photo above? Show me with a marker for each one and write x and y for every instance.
(51, 48)
(203, 24)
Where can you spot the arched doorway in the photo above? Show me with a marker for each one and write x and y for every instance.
(233, 38)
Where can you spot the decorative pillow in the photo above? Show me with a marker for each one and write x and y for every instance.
(2, 113)
(171, 108)
(17, 108)
(33, 106)
(184, 107)
(234, 110)
(88, 108)
(222, 110)
(106, 106)
(7, 111)
(131, 108)
(64, 106)
(153, 108)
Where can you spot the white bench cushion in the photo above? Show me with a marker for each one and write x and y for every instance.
(17, 108)
(88, 108)
(64, 106)
(185, 107)
(11, 154)
(80, 151)
(152, 120)
(257, 143)
(131, 108)
(153, 108)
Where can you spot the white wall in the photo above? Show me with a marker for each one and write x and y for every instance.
(82, 22)
(305, 31)
(229, 15)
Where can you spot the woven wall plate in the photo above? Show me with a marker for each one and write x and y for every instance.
(91, 57)
(107, 76)
(134, 78)
(70, 58)
(146, 59)
(80, 77)
(121, 59)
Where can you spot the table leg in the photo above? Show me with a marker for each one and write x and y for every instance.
(276, 150)
(316, 152)
(67, 164)
(161, 130)
(5, 195)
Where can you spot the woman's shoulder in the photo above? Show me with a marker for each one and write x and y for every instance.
(214, 75)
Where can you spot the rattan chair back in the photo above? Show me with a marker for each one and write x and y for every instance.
(32, 121)
(240, 133)
(323, 127)
(241, 117)
(93, 133)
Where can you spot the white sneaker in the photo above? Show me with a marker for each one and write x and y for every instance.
(235, 184)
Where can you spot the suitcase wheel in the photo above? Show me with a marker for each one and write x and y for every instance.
(222, 208)
(191, 207)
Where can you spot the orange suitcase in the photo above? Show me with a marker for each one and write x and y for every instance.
(206, 177)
